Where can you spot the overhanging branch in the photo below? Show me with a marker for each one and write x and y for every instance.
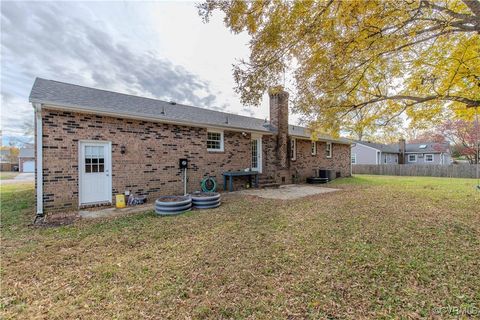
(468, 102)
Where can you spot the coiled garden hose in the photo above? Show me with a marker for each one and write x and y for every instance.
(208, 184)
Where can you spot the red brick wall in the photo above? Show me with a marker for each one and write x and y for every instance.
(150, 164)
(305, 162)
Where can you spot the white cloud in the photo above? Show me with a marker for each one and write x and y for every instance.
(159, 49)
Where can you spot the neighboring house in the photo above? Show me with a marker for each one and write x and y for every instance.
(374, 153)
(26, 160)
(7, 162)
(428, 153)
(92, 144)
(401, 153)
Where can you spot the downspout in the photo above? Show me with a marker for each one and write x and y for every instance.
(351, 166)
(39, 158)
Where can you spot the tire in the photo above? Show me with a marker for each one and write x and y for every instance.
(205, 200)
(315, 180)
(185, 200)
(209, 206)
(180, 204)
(171, 209)
(204, 203)
(171, 213)
(205, 196)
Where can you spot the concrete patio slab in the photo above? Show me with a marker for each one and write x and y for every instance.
(112, 212)
(288, 192)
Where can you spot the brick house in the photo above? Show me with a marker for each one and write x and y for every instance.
(26, 160)
(92, 144)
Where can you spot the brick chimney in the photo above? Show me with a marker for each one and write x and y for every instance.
(401, 149)
(279, 122)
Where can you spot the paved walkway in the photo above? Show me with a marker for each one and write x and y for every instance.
(288, 192)
(112, 211)
(20, 178)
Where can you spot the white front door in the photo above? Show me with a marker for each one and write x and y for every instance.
(95, 167)
(256, 143)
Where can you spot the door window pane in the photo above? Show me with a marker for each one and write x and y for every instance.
(94, 159)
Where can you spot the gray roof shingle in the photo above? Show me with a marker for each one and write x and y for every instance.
(387, 148)
(26, 153)
(80, 98)
(96, 100)
(430, 147)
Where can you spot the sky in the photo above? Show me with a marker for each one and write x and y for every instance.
(154, 49)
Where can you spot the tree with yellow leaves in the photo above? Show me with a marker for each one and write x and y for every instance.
(383, 58)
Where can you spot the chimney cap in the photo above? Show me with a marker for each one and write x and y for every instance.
(276, 90)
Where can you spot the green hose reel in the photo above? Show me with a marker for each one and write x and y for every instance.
(208, 184)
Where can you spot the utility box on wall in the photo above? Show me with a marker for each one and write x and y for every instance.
(183, 163)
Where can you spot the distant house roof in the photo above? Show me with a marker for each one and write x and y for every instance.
(298, 131)
(26, 153)
(424, 147)
(85, 99)
(387, 148)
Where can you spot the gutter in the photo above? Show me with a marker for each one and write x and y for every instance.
(79, 109)
(39, 159)
(309, 138)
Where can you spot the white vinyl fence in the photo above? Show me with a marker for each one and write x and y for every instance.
(429, 170)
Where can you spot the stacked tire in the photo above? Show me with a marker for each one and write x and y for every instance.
(172, 205)
(316, 180)
(206, 200)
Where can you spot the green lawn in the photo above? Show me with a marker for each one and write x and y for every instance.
(5, 175)
(382, 247)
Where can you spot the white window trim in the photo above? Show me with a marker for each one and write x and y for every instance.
(408, 157)
(314, 145)
(258, 137)
(330, 151)
(293, 149)
(353, 158)
(429, 154)
(221, 141)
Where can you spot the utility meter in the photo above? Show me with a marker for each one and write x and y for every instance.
(183, 163)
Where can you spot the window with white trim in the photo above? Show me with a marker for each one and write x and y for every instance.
(293, 149)
(354, 158)
(412, 158)
(328, 150)
(429, 158)
(314, 148)
(94, 159)
(214, 140)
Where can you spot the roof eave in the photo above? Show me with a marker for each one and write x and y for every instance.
(320, 139)
(80, 109)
